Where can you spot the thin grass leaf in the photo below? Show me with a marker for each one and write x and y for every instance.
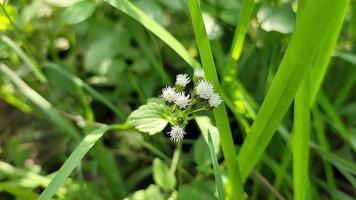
(217, 173)
(92, 92)
(339, 162)
(336, 121)
(28, 61)
(301, 132)
(239, 38)
(305, 43)
(131, 10)
(349, 79)
(74, 159)
(323, 145)
(220, 114)
(323, 57)
(40, 102)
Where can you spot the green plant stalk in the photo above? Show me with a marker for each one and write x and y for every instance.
(301, 134)
(308, 37)
(339, 125)
(26, 59)
(219, 112)
(239, 37)
(323, 144)
(217, 173)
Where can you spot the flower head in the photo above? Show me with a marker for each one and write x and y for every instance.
(204, 89)
(177, 133)
(169, 94)
(182, 80)
(182, 100)
(199, 73)
(214, 100)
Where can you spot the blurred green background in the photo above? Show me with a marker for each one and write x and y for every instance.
(91, 42)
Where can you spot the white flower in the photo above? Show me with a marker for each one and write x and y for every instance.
(204, 89)
(214, 100)
(182, 80)
(177, 133)
(199, 73)
(169, 94)
(181, 100)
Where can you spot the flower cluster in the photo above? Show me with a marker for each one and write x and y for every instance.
(182, 104)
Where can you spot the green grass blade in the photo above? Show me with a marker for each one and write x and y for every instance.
(339, 162)
(217, 173)
(323, 145)
(349, 80)
(131, 10)
(301, 132)
(239, 37)
(323, 58)
(40, 102)
(92, 92)
(309, 35)
(77, 155)
(220, 112)
(337, 122)
(27, 60)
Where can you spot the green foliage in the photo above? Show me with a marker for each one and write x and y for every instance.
(162, 176)
(74, 159)
(72, 70)
(150, 118)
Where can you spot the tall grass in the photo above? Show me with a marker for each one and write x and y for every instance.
(220, 113)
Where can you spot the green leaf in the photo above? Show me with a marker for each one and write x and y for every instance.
(18, 192)
(78, 12)
(204, 190)
(162, 176)
(201, 155)
(149, 118)
(301, 134)
(30, 63)
(72, 162)
(320, 17)
(205, 126)
(220, 113)
(152, 192)
(217, 173)
(280, 19)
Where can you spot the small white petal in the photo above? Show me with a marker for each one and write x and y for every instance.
(204, 89)
(181, 100)
(199, 73)
(214, 100)
(169, 94)
(182, 80)
(177, 133)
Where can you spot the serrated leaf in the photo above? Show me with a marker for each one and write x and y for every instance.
(149, 118)
(162, 176)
